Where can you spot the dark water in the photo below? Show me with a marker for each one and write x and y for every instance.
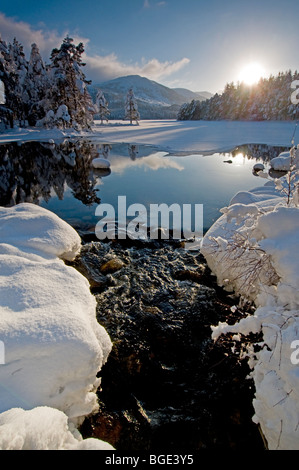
(60, 177)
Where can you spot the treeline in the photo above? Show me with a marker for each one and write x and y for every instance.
(269, 99)
(52, 95)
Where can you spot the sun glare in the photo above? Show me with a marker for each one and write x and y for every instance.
(251, 73)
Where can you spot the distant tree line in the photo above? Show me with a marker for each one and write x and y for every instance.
(269, 99)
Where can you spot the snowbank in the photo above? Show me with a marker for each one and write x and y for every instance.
(253, 251)
(54, 346)
(43, 428)
(284, 161)
(204, 137)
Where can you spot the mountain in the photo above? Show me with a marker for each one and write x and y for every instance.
(191, 95)
(155, 101)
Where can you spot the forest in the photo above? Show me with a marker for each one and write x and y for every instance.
(39, 94)
(268, 100)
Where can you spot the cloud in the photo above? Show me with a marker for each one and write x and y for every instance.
(46, 40)
(154, 162)
(147, 4)
(98, 67)
(10, 29)
(109, 67)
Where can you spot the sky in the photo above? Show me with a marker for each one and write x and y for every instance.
(196, 44)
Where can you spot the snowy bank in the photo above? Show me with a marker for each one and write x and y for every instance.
(284, 161)
(54, 346)
(253, 251)
(43, 428)
(183, 137)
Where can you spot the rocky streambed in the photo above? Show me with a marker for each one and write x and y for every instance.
(166, 386)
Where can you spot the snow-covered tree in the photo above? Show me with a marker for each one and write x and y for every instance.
(52, 95)
(18, 68)
(2, 93)
(102, 106)
(131, 108)
(13, 72)
(37, 84)
(6, 115)
(269, 99)
(69, 84)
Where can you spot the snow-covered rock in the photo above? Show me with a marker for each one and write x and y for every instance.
(253, 251)
(258, 167)
(54, 346)
(100, 163)
(284, 161)
(43, 428)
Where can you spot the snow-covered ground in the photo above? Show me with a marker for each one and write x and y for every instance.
(53, 345)
(253, 251)
(175, 136)
(198, 136)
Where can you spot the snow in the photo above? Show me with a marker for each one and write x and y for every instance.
(100, 163)
(205, 137)
(42, 428)
(284, 161)
(253, 251)
(259, 167)
(54, 346)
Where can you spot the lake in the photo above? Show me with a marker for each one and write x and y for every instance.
(60, 177)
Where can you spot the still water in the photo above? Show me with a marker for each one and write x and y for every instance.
(60, 177)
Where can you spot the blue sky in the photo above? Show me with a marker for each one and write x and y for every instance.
(200, 45)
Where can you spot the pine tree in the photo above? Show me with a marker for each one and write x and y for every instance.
(18, 68)
(2, 93)
(13, 72)
(37, 84)
(69, 85)
(6, 114)
(102, 106)
(131, 109)
(269, 99)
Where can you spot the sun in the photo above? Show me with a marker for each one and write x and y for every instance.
(252, 73)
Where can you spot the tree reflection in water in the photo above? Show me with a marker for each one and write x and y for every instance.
(34, 171)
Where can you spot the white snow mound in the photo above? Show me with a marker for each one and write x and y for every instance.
(35, 230)
(253, 251)
(100, 163)
(43, 428)
(284, 161)
(54, 347)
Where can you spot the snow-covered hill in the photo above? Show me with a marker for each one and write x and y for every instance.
(155, 101)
